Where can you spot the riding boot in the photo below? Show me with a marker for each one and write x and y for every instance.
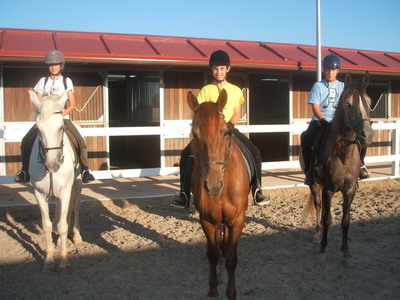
(363, 170)
(182, 199)
(85, 171)
(22, 175)
(257, 191)
(309, 180)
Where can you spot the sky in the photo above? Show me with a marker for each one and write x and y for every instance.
(354, 24)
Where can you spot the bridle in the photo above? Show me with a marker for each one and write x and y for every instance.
(44, 150)
(357, 136)
(228, 154)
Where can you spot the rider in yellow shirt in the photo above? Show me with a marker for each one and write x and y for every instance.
(211, 92)
(220, 66)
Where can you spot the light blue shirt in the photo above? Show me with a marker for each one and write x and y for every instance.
(327, 95)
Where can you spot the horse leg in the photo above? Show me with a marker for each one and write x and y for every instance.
(47, 229)
(62, 226)
(77, 238)
(235, 231)
(316, 191)
(326, 217)
(213, 256)
(348, 197)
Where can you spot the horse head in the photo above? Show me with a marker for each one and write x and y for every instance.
(50, 122)
(211, 142)
(354, 110)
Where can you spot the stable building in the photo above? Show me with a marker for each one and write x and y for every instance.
(131, 93)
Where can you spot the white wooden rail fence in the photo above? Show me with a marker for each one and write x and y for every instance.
(13, 132)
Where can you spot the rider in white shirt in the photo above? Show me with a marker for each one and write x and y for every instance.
(55, 84)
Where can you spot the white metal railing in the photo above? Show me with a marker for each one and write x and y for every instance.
(14, 132)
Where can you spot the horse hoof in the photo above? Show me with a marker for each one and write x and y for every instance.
(48, 267)
(347, 263)
(213, 294)
(64, 264)
(77, 242)
(322, 257)
(317, 238)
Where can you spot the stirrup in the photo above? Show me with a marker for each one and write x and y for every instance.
(22, 176)
(265, 201)
(176, 200)
(87, 176)
(364, 174)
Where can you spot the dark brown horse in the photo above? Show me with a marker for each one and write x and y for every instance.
(338, 158)
(220, 187)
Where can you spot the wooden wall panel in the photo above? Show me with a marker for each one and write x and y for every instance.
(176, 87)
(12, 158)
(301, 91)
(395, 99)
(173, 150)
(17, 83)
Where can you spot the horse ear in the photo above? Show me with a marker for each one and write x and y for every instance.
(63, 98)
(222, 99)
(34, 98)
(365, 81)
(347, 79)
(192, 101)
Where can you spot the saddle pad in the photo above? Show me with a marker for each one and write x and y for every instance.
(250, 165)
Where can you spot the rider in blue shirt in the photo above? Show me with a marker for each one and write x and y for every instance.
(324, 98)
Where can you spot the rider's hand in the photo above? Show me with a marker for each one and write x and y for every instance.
(231, 125)
(323, 123)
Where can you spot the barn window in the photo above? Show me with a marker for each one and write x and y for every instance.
(378, 91)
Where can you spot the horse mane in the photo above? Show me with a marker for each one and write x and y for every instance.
(342, 123)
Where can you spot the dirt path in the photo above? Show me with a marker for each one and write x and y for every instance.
(141, 249)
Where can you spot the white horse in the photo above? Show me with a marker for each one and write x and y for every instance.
(54, 171)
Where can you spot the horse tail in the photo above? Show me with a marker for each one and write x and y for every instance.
(309, 210)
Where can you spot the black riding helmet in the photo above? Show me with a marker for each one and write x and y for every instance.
(331, 61)
(219, 58)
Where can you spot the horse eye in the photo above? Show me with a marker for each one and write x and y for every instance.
(348, 104)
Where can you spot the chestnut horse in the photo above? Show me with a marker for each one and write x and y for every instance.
(338, 162)
(220, 187)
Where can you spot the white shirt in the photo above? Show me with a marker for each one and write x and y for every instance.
(53, 87)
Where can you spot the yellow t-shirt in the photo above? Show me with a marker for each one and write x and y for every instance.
(210, 93)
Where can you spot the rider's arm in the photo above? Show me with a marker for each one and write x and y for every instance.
(316, 111)
(236, 115)
(71, 103)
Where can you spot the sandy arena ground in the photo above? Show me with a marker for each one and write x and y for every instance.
(143, 249)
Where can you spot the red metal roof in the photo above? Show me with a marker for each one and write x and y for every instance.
(20, 45)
